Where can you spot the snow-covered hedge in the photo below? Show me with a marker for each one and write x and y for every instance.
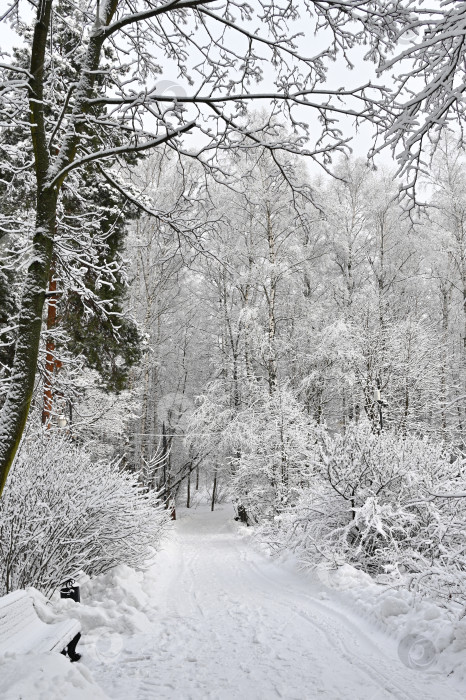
(63, 512)
(388, 504)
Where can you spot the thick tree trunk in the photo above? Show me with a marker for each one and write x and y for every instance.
(15, 410)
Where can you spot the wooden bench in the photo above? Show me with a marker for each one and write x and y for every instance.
(22, 631)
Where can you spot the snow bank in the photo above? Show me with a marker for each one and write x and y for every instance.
(429, 635)
(115, 606)
(46, 677)
(115, 601)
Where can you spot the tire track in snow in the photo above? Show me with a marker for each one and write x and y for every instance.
(319, 624)
(328, 623)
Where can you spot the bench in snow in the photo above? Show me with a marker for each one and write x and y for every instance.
(22, 631)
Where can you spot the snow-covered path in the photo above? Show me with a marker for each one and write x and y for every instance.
(229, 624)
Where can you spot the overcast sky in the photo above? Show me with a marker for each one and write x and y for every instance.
(338, 76)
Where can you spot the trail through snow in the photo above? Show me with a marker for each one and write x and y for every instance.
(229, 624)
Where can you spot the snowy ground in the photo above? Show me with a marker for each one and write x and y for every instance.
(216, 620)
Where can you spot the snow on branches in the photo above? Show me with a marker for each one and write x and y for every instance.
(83, 93)
(65, 512)
(430, 81)
(385, 504)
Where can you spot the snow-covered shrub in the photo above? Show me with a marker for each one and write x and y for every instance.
(265, 449)
(63, 512)
(384, 503)
(275, 453)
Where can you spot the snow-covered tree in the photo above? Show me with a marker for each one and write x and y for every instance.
(95, 97)
(429, 76)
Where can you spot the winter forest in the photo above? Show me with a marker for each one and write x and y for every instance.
(233, 280)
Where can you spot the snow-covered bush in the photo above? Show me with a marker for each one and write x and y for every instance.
(266, 449)
(385, 503)
(63, 512)
(274, 447)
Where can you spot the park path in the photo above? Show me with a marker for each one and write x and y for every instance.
(230, 624)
